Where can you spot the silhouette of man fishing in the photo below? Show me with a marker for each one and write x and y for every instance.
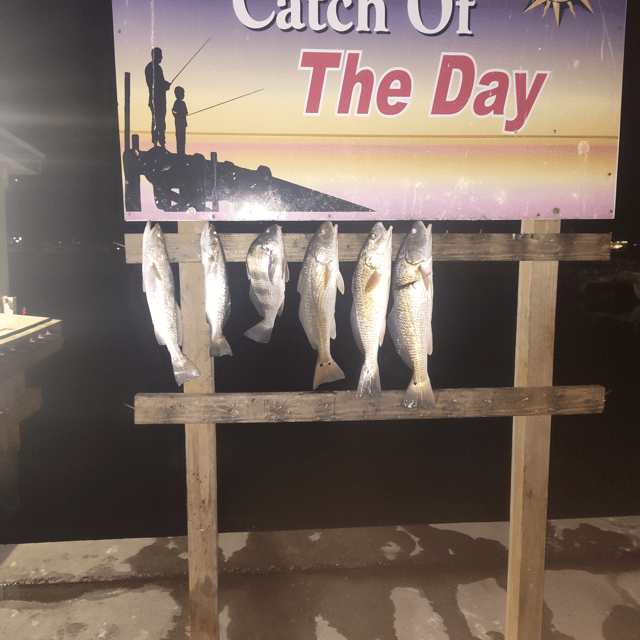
(158, 88)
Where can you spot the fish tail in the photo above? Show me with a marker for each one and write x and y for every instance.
(326, 371)
(260, 332)
(184, 370)
(219, 346)
(369, 383)
(419, 395)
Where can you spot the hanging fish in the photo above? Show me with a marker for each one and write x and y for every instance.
(157, 283)
(268, 272)
(216, 289)
(320, 278)
(410, 317)
(370, 285)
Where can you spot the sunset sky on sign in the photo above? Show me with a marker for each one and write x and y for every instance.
(580, 101)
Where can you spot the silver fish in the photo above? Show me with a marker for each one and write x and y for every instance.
(157, 283)
(268, 272)
(320, 278)
(370, 285)
(216, 289)
(410, 317)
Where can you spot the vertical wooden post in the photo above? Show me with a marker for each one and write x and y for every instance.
(11, 393)
(530, 449)
(200, 444)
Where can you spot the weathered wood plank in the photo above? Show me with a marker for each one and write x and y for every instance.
(200, 450)
(179, 408)
(531, 444)
(448, 246)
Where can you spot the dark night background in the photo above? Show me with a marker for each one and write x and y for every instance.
(88, 472)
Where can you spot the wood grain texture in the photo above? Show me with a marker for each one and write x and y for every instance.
(185, 247)
(535, 335)
(228, 408)
(200, 451)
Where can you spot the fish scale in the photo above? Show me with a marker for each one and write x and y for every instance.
(370, 285)
(319, 281)
(157, 283)
(410, 317)
(216, 289)
(268, 274)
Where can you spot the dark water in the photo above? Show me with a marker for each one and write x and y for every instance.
(86, 471)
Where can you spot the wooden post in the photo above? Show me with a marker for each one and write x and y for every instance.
(200, 445)
(530, 449)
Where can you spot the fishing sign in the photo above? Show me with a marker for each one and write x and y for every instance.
(369, 109)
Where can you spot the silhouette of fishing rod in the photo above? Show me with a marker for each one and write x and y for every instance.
(188, 61)
(244, 95)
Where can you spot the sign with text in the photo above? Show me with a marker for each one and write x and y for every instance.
(369, 109)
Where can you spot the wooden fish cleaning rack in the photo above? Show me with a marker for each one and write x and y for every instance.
(532, 401)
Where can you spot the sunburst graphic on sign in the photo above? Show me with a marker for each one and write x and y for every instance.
(559, 7)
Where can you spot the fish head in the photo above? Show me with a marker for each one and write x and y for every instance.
(416, 247)
(324, 243)
(153, 243)
(271, 237)
(210, 244)
(377, 248)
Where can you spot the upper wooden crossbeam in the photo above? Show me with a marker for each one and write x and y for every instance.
(446, 246)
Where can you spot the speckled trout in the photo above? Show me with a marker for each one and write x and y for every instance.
(268, 272)
(157, 283)
(320, 278)
(216, 289)
(370, 288)
(410, 317)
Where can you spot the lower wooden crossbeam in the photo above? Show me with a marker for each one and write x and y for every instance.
(225, 408)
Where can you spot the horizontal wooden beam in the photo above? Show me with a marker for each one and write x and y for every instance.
(186, 408)
(446, 246)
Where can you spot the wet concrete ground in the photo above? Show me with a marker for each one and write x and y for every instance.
(427, 582)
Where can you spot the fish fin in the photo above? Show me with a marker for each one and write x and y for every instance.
(333, 327)
(256, 302)
(372, 283)
(156, 272)
(285, 269)
(179, 324)
(369, 383)
(419, 395)
(355, 328)
(219, 346)
(396, 336)
(184, 371)
(426, 277)
(281, 309)
(159, 338)
(340, 283)
(260, 332)
(383, 330)
(327, 372)
(301, 280)
(327, 276)
(227, 313)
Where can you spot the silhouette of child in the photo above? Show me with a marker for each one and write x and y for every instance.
(180, 112)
